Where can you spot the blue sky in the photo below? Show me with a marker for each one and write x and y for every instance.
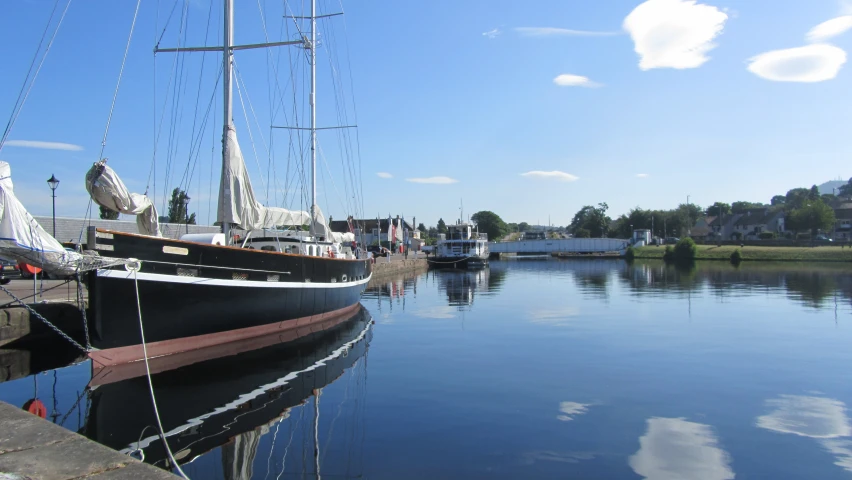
(716, 100)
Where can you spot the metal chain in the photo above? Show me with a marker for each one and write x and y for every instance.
(82, 306)
(46, 322)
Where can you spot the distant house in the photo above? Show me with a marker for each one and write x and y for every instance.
(375, 230)
(755, 221)
(843, 223)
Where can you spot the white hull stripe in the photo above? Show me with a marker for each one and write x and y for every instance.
(221, 282)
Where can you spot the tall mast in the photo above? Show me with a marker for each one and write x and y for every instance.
(227, 61)
(313, 102)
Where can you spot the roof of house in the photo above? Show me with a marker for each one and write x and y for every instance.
(756, 216)
(843, 213)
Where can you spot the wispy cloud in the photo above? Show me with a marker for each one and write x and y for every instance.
(808, 64)
(674, 33)
(433, 180)
(569, 410)
(569, 80)
(384, 175)
(43, 145)
(830, 28)
(642, 175)
(555, 174)
(492, 33)
(560, 32)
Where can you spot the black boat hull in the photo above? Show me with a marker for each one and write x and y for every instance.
(455, 262)
(188, 290)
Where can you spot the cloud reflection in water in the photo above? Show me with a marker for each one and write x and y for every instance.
(676, 449)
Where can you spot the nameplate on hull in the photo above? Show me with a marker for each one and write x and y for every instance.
(175, 250)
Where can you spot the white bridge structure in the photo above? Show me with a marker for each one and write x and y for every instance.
(566, 245)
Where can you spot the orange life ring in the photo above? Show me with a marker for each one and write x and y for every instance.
(36, 407)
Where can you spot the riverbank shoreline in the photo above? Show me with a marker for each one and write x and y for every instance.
(758, 253)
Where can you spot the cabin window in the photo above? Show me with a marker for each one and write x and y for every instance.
(272, 278)
(269, 248)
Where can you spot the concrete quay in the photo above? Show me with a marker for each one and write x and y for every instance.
(397, 263)
(33, 448)
(56, 301)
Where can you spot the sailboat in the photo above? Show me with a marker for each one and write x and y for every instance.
(206, 290)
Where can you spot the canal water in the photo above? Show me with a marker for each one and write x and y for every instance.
(527, 369)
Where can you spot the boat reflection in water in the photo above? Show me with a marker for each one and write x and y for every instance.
(461, 285)
(230, 401)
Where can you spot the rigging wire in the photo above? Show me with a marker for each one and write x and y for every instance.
(20, 101)
(118, 83)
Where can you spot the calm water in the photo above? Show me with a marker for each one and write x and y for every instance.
(529, 369)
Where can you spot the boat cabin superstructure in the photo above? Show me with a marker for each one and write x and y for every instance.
(462, 240)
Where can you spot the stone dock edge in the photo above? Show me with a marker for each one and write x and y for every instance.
(32, 447)
(382, 268)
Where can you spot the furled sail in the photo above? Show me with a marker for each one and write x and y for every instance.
(22, 238)
(108, 191)
(237, 203)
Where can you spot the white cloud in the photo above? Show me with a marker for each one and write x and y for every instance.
(384, 175)
(569, 80)
(831, 28)
(43, 145)
(821, 418)
(815, 417)
(673, 448)
(556, 174)
(559, 32)
(811, 63)
(642, 175)
(492, 33)
(569, 410)
(434, 180)
(674, 33)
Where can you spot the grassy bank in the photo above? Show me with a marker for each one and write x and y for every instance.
(760, 253)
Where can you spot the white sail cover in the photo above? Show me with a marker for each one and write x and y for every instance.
(237, 203)
(22, 238)
(108, 191)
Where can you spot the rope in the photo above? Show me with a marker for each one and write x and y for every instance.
(120, 73)
(135, 269)
(44, 320)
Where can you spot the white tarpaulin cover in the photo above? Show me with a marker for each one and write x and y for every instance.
(22, 238)
(108, 191)
(237, 203)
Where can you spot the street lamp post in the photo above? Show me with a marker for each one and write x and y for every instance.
(53, 182)
(186, 212)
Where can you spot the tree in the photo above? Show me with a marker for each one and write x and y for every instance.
(845, 190)
(422, 228)
(713, 210)
(523, 226)
(432, 232)
(593, 219)
(691, 211)
(177, 210)
(490, 223)
(582, 233)
(814, 193)
(814, 215)
(442, 227)
(795, 198)
(741, 207)
(778, 200)
(108, 214)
